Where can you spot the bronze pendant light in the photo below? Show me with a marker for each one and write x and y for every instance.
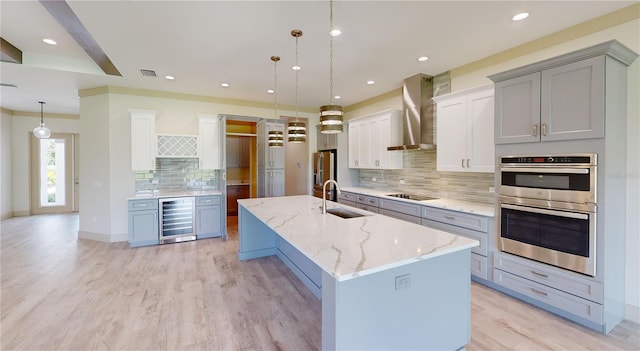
(275, 138)
(331, 116)
(296, 131)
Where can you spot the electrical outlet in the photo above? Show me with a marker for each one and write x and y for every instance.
(374, 179)
(491, 189)
(403, 281)
(155, 181)
(401, 181)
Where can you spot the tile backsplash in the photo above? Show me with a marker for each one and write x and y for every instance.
(175, 174)
(420, 177)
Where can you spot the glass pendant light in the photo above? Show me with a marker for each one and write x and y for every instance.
(41, 132)
(296, 131)
(275, 138)
(331, 120)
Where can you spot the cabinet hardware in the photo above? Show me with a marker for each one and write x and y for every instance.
(542, 275)
(544, 129)
(451, 218)
(462, 163)
(535, 130)
(541, 293)
(142, 205)
(468, 166)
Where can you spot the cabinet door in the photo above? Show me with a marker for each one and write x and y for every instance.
(388, 133)
(573, 101)
(354, 144)
(452, 134)
(275, 155)
(233, 151)
(364, 142)
(232, 197)
(208, 221)
(480, 143)
(276, 182)
(143, 140)
(143, 228)
(245, 152)
(517, 110)
(210, 147)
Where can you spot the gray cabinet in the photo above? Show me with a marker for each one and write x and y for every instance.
(271, 182)
(238, 151)
(208, 216)
(367, 203)
(402, 210)
(559, 103)
(468, 225)
(347, 198)
(143, 222)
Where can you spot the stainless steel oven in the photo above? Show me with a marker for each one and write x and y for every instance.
(548, 209)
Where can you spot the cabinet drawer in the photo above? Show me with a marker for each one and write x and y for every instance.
(401, 206)
(479, 266)
(572, 283)
(583, 308)
(347, 202)
(208, 200)
(147, 204)
(401, 216)
(367, 200)
(347, 196)
(456, 218)
(366, 207)
(481, 249)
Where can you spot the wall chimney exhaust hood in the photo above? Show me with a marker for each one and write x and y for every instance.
(418, 126)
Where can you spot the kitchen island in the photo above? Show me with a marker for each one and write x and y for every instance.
(385, 284)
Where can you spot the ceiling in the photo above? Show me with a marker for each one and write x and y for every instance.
(206, 43)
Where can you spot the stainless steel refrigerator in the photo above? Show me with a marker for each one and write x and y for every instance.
(324, 168)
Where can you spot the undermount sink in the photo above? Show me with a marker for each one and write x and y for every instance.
(344, 213)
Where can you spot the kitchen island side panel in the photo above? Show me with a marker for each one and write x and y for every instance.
(421, 306)
(256, 239)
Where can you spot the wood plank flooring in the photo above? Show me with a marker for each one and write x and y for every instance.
(61, 293)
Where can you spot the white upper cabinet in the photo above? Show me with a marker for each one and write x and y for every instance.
(369, 138)
(210, 137)
(143, 140)
(465, 131)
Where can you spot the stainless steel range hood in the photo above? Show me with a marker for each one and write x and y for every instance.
(418, 124)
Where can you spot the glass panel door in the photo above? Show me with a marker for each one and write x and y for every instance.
(51, 174)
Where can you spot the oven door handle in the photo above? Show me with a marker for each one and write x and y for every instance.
(546, 170)
(547, 212)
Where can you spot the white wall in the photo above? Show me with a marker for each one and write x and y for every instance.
(6, 196)
(21, 131)
(628, 34)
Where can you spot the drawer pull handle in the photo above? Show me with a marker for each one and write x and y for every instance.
(143, 205)
(539, 292)
(451, 218)
(542, 275)
(372, 201)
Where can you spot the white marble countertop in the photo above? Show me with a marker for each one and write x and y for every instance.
(348, 248)
(161, 194)
(448, 204)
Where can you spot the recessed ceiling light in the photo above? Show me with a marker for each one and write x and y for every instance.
(296, 68)
(225, 85)
(335, 32)
(337, 97)
(170, 77)
(370, 82)
(270, 91)
(49, 41)
(423, 58)
(520, 16)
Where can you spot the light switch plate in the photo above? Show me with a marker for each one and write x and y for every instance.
(403, 281)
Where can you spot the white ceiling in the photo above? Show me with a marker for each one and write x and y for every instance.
(205, 43)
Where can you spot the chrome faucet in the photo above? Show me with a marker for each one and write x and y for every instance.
(324, 194)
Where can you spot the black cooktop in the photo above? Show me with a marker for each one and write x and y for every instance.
(413, 197)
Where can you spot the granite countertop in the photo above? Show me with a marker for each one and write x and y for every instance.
(233, 182)
(348, 248)
(179, 193)
(448, 204)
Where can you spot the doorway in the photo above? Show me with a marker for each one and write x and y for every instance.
(53, 170)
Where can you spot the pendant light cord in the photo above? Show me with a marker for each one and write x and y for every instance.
(331, 52)
(297, 72)
(41, 112)
(275, 60)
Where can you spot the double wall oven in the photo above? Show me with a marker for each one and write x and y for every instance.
(548, 209)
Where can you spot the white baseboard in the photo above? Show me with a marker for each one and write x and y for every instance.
(6, 216)
(107, 238)
(632, 313)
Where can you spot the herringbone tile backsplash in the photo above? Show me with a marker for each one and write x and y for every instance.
(420, 177)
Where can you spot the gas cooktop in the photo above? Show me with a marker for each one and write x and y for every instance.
(413, 197)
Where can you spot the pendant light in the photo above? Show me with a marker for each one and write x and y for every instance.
(275, 137)
(41, 132)
(331, 115)
(296, 131)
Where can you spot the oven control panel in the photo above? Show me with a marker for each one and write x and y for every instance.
(589, 159)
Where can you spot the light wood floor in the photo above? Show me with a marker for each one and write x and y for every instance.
(62, 293)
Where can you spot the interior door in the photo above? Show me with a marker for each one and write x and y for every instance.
(52, 174)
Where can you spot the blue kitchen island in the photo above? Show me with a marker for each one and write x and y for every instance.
(385, 284)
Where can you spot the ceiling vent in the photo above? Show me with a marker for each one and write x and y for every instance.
(148, 72)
